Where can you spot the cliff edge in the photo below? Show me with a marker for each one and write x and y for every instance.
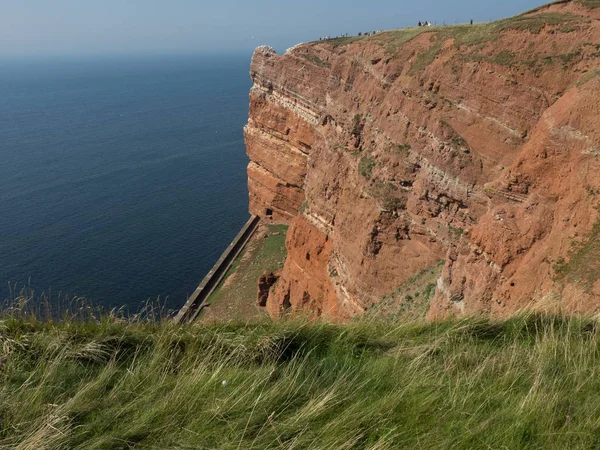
(477, 145)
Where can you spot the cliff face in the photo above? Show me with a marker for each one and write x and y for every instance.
(477, 145)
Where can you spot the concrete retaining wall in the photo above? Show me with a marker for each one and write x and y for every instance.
(192, 307)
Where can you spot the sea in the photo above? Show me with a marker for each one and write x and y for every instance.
(122, 179)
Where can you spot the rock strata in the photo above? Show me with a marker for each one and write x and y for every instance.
(478, 145)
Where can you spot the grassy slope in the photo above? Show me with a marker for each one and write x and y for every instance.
(530, 382)
(235, 298)
(474, 36)
(410, 301)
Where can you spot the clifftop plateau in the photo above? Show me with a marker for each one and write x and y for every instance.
(476, 145)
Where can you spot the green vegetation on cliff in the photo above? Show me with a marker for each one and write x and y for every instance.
(476, 36)
(235, 297)
(529, 382)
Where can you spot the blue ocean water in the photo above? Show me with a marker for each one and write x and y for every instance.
(121, 180)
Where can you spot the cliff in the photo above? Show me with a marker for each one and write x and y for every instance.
(477, 145)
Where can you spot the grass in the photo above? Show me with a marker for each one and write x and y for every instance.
(403, 149)
(365, 166)
(342, 40)
(569, 28)
(388, 196)
(425, 58)
(473, 35)
(477, 35)
(505, 58)
(411, 300)
(583, 266)
(589, 76)
(529, 382)
(456, 232)
(590, 3)
(390, 39)
(535, 23)
(235, 297)
(569, 57)
(314, 59)
(393, 40)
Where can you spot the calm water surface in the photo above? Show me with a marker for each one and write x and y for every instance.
(121, 180)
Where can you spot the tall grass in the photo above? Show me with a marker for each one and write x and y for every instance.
(109, 383)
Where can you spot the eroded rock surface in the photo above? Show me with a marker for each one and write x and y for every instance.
(474, 145)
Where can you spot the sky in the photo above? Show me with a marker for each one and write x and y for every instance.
(121, 27)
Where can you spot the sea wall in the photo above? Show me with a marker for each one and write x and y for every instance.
(195, 302)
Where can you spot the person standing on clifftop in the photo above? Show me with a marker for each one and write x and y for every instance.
(420, 24)
(471, 21)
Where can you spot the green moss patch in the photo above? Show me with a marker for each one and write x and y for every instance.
(479, 34)
(410, 300)
(365, 167)
(583, 266)
(590, 3)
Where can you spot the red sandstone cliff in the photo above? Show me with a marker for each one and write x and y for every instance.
(476, 145)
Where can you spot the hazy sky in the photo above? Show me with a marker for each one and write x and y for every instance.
(64, 27)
